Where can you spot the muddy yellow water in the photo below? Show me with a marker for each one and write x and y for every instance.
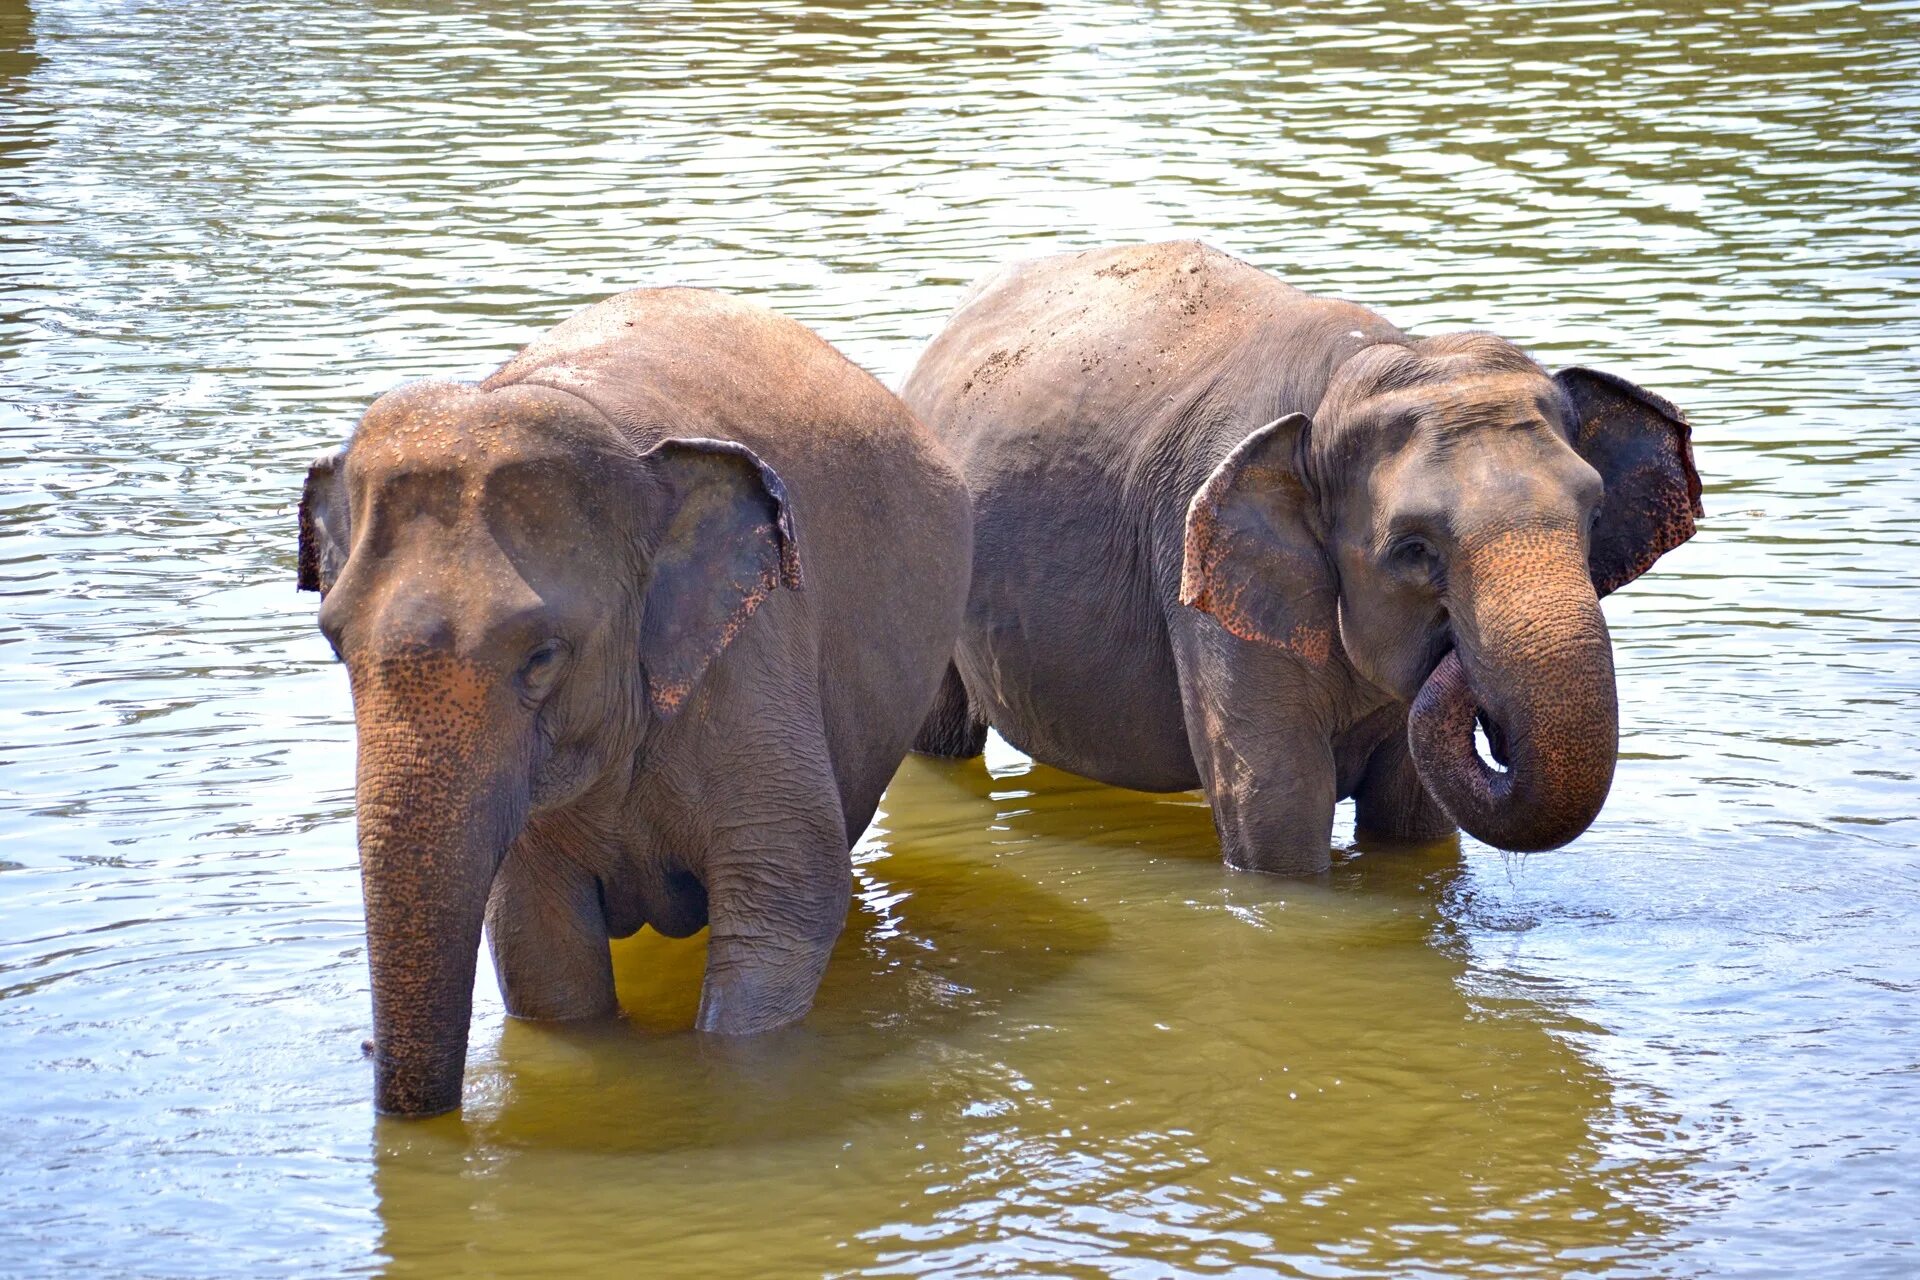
(1058, 1038)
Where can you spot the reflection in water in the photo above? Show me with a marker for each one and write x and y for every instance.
(1059, 1037)
(1081, 1041)
(18, 133)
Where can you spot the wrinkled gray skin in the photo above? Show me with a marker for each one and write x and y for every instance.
(1234, 536)
(638, 629)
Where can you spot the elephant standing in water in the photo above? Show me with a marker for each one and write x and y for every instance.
(1231, 535)
(591, 689)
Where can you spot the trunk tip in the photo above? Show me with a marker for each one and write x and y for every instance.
(413, 1092)
(415, 1107)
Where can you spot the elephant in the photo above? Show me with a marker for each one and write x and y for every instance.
(1235, 536)
(638, 629)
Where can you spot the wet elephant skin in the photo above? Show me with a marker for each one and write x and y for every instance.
(1231, 535)
(638, 628)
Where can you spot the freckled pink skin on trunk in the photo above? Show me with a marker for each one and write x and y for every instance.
(1532, 650)
(431, 834)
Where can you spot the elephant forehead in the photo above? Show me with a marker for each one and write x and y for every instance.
(1444, 410)
(456, 426)
(1508, 401)
(518, 472)
(1454, 435)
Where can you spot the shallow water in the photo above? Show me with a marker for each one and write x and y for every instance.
(1058, 1038)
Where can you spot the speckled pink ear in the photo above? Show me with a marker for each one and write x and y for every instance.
(1643, 448)
(726, 543)
(1252, 559)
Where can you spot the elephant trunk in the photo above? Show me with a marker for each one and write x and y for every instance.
(436, 814)
(1532, 658)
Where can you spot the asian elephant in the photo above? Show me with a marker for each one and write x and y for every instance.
(1231, 535)
(637, 628)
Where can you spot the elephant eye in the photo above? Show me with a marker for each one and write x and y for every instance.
(537, 673)
(1412, 552)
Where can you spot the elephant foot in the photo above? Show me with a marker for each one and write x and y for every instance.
(747, 999)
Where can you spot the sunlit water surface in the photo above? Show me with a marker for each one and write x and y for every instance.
(1058, 1038)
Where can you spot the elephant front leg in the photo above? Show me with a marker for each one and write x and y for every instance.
(775, 914)
(1264, 756)
(1273, 800)
(548, 934)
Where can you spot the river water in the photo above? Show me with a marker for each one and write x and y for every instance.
(1059, 1038)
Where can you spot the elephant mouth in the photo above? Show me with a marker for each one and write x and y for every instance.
(1459, 747)
(1501, 779)
(1489, 737)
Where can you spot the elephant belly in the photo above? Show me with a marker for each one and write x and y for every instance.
(1103, 705)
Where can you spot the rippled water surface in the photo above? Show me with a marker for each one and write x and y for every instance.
(1058, 1038)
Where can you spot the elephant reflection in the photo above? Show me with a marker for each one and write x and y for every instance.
(1343, 1072)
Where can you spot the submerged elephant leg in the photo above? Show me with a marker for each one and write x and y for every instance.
(1265, 761)
(1391, 802)
(951, 729)
(548, 934)
(1273, 797)
(775, 913)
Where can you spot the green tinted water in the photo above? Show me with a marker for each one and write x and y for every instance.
(1058, 1037)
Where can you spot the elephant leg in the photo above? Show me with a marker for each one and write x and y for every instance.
(1390, 800)
(777, 900)
(1264, 758)
(951, 729)
(1273, 798)
(548, 935)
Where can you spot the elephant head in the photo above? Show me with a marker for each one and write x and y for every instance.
(520, 596)
(1452, 514)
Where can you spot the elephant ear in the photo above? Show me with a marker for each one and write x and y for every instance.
(324, 536)
(1252, 558)
(1643, 449)
(724, 542)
